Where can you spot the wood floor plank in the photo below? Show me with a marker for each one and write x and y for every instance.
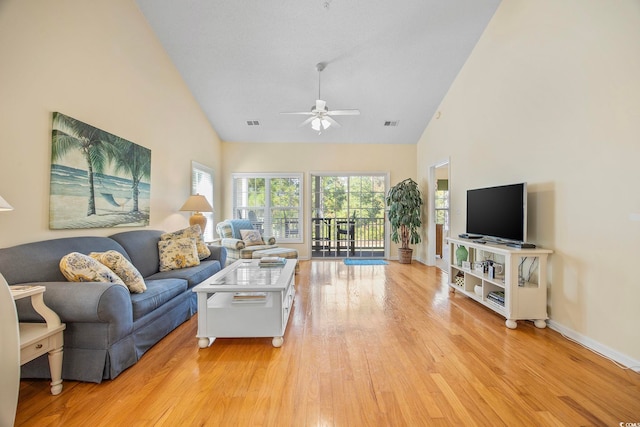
(366, 346)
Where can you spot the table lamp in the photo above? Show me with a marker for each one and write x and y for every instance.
(4, 206)
(197, 204)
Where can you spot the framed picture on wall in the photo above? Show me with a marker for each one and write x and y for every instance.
(97, 179)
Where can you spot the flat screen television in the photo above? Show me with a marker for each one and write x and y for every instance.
(498, 213)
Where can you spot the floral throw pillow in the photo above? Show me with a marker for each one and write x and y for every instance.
(251, 237)
(77, 267)
(194, 232)
(177, 253)
(123, 268)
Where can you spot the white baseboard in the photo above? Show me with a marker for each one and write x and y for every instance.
(596, 346)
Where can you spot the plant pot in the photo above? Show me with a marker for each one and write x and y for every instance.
(404, 255)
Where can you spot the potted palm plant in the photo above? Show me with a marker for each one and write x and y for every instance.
(404, 201)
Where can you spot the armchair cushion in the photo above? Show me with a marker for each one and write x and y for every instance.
(251, 237)
(240, 224)
(224, 230)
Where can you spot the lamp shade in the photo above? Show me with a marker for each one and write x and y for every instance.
(4, 206)
(197, 203)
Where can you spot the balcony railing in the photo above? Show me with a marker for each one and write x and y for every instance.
(347, 237)
(334, 237)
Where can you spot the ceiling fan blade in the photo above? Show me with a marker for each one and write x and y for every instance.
(301, 113)
(306, 122)
(344, 112)
(333, 122)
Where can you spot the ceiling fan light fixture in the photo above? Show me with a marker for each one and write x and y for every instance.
(319, 124)
(320, 115)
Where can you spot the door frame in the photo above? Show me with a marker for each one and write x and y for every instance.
(431, 223)
(308, 203)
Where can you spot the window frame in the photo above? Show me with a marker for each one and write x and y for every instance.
(196, 188)
(268, 207)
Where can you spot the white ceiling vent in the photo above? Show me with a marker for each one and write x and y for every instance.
(391, 123)
(253, 123)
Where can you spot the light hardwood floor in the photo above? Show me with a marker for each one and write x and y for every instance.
(365, 346)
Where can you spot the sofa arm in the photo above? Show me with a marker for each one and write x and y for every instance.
(218, 253)
(269, 240)
(95, 302)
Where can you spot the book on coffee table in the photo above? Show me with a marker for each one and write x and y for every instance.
(249, 296)
(270, 261)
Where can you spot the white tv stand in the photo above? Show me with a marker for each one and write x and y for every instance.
(523, 282)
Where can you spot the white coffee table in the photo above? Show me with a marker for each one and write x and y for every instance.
(269, 293)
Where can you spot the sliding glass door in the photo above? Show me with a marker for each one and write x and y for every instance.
(347, 215)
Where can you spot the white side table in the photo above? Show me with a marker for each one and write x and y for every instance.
(37, 339)
(9, 356)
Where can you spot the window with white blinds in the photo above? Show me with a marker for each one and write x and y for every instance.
(273, 203)
(202, 183)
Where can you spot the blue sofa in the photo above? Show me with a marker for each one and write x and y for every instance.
(108, 329)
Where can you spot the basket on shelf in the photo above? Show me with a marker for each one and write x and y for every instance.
(459, 280)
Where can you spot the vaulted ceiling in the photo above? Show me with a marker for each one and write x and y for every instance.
(248, 60)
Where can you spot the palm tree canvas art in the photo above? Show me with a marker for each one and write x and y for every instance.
(97, 179)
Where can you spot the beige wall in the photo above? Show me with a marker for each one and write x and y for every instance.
(99, 62)
(551, 96)
(398, 160)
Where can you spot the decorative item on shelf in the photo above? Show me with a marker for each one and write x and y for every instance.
(461, 255)
(478, 290)
(478, 267)
(459, 280)
(197, 203)
(466, 265)
(404, 201)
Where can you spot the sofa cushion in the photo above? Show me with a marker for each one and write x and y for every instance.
(193, 232)
(121, 266)
(178, 253)
(158, 293)
(77, 267)
(193, 275)
(251, 237)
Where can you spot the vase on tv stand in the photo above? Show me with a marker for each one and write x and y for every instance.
(461, 255)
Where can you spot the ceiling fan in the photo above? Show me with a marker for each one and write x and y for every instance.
(320, 116)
